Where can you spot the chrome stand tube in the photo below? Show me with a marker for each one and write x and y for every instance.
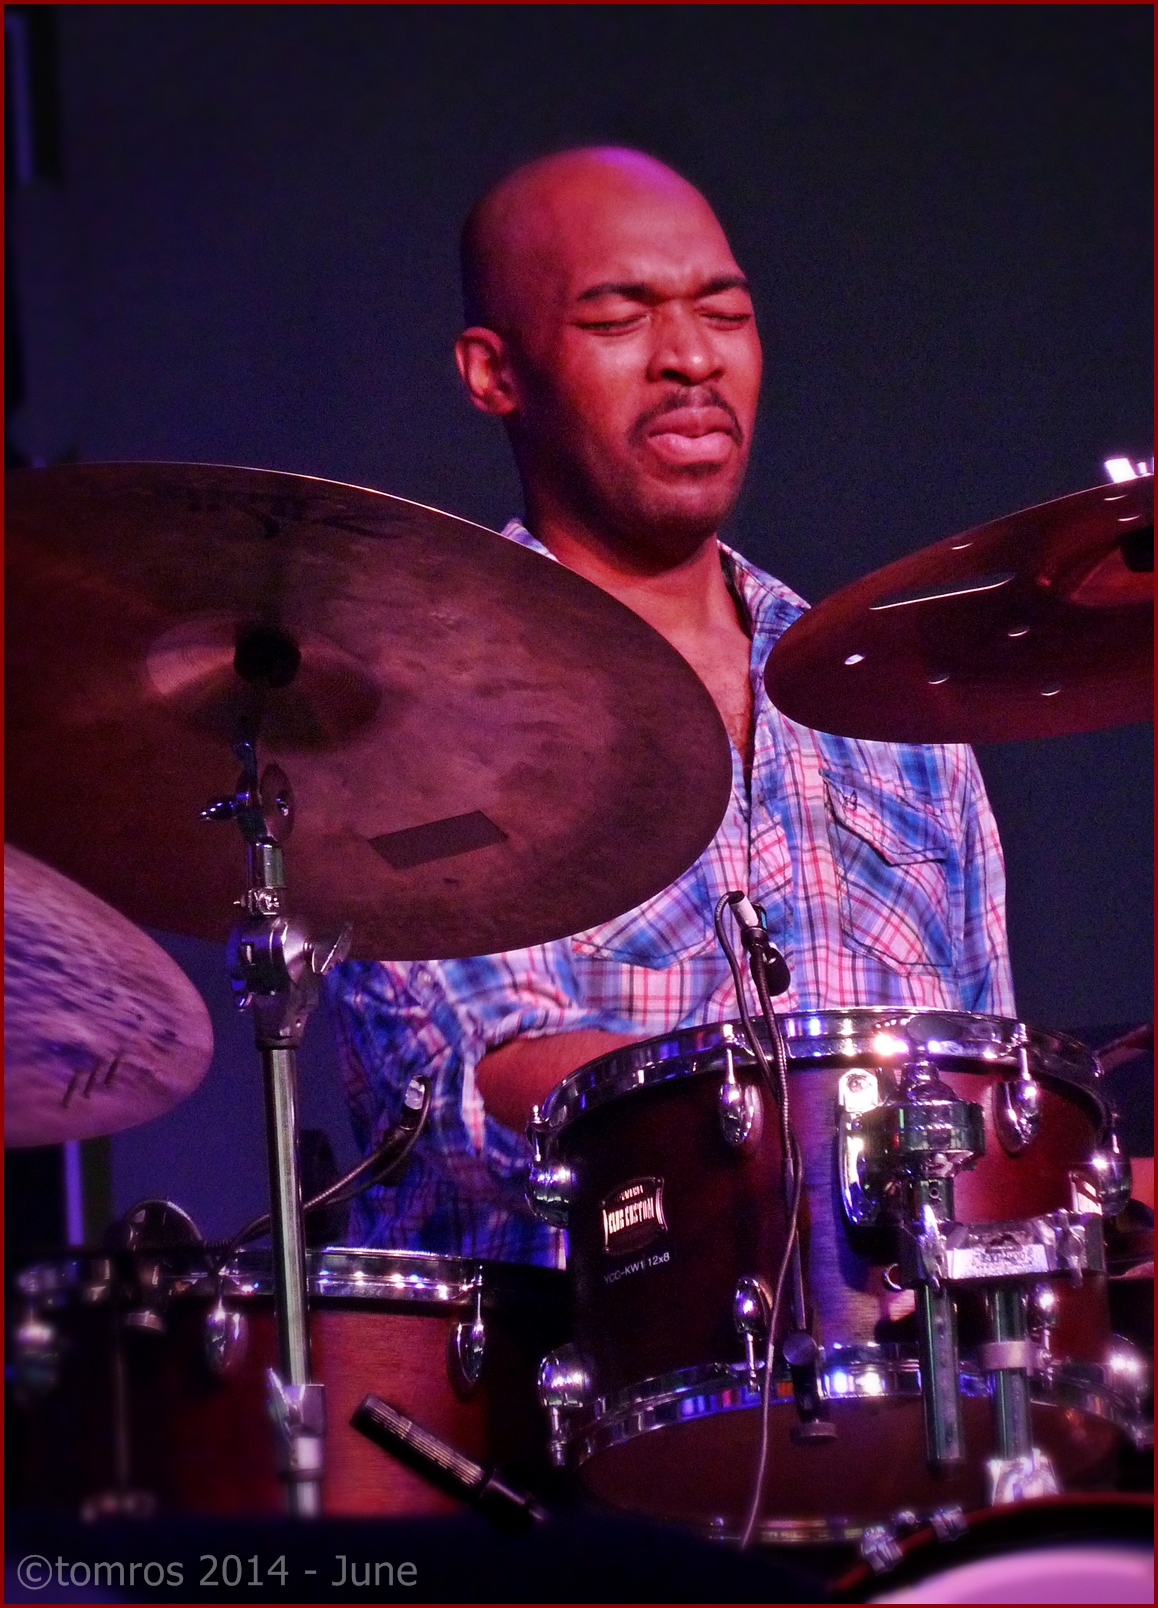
(274, 970)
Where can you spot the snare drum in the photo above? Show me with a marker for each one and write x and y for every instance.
(454, 1343)
(664, 1161)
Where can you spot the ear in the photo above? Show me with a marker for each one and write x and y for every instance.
(484, 363)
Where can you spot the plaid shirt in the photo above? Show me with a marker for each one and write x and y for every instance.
(880, 870)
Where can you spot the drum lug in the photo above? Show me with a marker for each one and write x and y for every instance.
(1017, 1112)
(751, 1308)
(741, 1109)
(857, 1093)
(466, 1351)
(565, 1387)
(226, 1340)
(550, 1190)
(1103, 1185)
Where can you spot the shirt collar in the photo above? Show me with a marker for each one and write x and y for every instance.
(771, 606)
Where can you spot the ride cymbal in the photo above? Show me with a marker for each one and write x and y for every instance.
(485, 750)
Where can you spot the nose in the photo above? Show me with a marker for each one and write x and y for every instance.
(683, 349)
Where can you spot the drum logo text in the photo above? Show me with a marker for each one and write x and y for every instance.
(633, 1216)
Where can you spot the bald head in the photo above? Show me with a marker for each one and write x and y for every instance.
(612, 331)
(513, 238)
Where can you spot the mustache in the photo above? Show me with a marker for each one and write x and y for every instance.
(693, 396)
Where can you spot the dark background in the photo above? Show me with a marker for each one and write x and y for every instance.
(237, 243)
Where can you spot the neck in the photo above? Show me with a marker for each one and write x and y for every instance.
(674, 595)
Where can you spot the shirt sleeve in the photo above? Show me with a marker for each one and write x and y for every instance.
(986, 980)
(439, 1018)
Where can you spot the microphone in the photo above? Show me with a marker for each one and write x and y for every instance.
(759, 947)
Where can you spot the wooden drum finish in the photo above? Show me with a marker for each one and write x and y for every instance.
(381, 1321)
(668, 1423)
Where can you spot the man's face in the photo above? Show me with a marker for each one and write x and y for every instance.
(635, 359)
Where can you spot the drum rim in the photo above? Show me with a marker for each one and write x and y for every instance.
(709, 1390)
(333, 1272)
(1056, 1057)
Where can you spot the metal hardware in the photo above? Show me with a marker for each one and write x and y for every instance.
(1020, 1479)
(299, 1419)
(565, 1387)
(225, 1338)
(1017, 1105)
(751, 1309)
(915, 1142)
(857, 1092)
(1023, 1248)
(550, 1189)
(948, 1523)
(1019, 1470)
(145, 1320)
(804, 1358)
(1041, 1315)
(465, 1351)
(879, 1548)
(741, 1109)
(1104, 1183)
(993, 1355)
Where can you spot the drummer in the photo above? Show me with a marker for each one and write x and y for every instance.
(611, 330)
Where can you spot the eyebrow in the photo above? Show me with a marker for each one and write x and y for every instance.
(640, 292)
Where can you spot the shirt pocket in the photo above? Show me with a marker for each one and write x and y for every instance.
(893, 856)
(672, 926)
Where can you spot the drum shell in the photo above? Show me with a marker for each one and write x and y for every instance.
(204, 1444)
(652, 1335)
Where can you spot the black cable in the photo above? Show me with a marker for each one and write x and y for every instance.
(759, 952)
(375, 1168)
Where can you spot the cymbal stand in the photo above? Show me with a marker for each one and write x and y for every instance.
(274, 970)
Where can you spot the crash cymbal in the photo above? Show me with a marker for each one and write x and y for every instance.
(485, 750)
(101, 1029)
(1035, 625)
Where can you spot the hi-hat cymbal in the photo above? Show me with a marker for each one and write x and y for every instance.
(485, 750)
(101, 1029)
(1038, 624)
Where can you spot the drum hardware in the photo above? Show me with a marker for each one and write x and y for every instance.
(506, 1504)
(751, 1310)
(274, 970)
(225, 1339)
(564, 1388)
(880, 1544)
(915, 1141)
(550, 1185)
(1017, 1102)
(741, 1108)
(1103, 1184)
(466, 1351)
